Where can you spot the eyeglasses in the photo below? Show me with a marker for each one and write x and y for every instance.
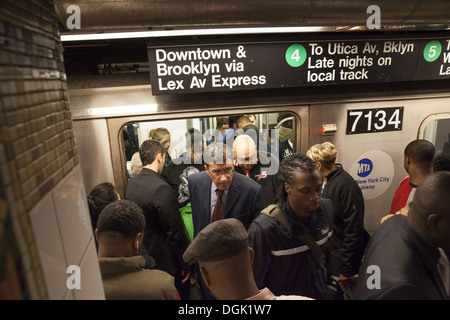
(217, 173)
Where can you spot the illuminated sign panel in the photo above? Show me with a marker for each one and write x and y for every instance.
(247, 66)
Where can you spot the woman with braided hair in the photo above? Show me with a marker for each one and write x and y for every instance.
(290, 237)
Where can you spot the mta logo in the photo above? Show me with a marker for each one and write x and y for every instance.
(365, 167)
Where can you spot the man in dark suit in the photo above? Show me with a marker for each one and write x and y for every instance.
(405, 258)
(241, 198)
(164, 235)
(220, 193)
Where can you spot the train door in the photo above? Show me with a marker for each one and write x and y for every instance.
(272, 129)
(436, 129)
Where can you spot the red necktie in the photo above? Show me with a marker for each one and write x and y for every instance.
(218, 208)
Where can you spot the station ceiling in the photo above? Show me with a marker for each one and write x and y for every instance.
(338, 15)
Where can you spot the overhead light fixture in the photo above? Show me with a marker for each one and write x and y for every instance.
(189, 32)
(123, 110)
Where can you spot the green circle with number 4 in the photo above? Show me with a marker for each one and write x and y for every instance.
(432, 51)
(296, 55)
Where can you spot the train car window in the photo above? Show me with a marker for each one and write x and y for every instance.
(273, 134)
(436, 129)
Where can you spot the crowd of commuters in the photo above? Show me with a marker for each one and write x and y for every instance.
(216, 223)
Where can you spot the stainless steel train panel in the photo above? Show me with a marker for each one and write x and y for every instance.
(92, 139)
(393, 143)
(102, 112)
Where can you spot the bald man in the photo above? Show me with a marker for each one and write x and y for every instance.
(242, 121)
(418, 163)
(247, 163)
(405, 258)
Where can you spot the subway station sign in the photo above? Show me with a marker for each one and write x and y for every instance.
(247, 66)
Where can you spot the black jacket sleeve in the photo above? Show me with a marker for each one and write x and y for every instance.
(352, 206)
(166, 205)
(258, 242)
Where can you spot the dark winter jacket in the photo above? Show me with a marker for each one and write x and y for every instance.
(349, 236)
(399, 264)
(164, 235)
(268, 182)
(282, 262)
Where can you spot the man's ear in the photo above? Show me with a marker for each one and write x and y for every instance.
(434, 222)
(407, 160)
(252, 255)
(96, 234)
(205, 275)
(137, 241)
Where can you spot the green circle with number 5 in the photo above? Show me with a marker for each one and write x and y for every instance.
(296, 55)
(432, 51)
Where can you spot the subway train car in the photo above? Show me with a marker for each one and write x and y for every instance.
(370, 123)
(84, 82)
